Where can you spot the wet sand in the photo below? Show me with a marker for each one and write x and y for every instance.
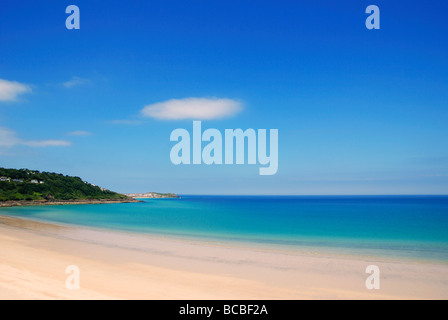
(117, 265)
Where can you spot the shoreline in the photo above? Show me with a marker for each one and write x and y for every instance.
(36, 203)
(35, 254)
(305, 248)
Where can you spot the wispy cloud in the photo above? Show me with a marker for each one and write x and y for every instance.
(192, 108)
(76, 81)
(79, 133)
(46, 143)
(10, 90)
(9, 138)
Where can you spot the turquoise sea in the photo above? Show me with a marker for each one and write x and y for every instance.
(413, 227)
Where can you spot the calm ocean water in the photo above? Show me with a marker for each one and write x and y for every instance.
(404, 226)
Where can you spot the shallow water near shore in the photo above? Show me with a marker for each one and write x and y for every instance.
(413, 227)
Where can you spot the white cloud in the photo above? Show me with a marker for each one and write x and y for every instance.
(79, 133)
(9, 138)
(10, 90)
(192, 108)
(75, 81)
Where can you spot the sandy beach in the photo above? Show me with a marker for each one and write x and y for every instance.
(115, 265)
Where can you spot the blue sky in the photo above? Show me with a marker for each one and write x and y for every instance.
(358, 111)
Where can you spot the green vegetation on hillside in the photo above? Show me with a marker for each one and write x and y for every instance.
(35, 185)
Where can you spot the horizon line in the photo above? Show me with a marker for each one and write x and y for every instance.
(313, 195)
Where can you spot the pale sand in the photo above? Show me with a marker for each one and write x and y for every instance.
(114, 265)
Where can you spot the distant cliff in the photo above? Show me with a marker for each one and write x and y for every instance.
(152, 195)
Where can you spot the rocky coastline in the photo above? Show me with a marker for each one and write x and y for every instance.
(28, 203)
(152, 195)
